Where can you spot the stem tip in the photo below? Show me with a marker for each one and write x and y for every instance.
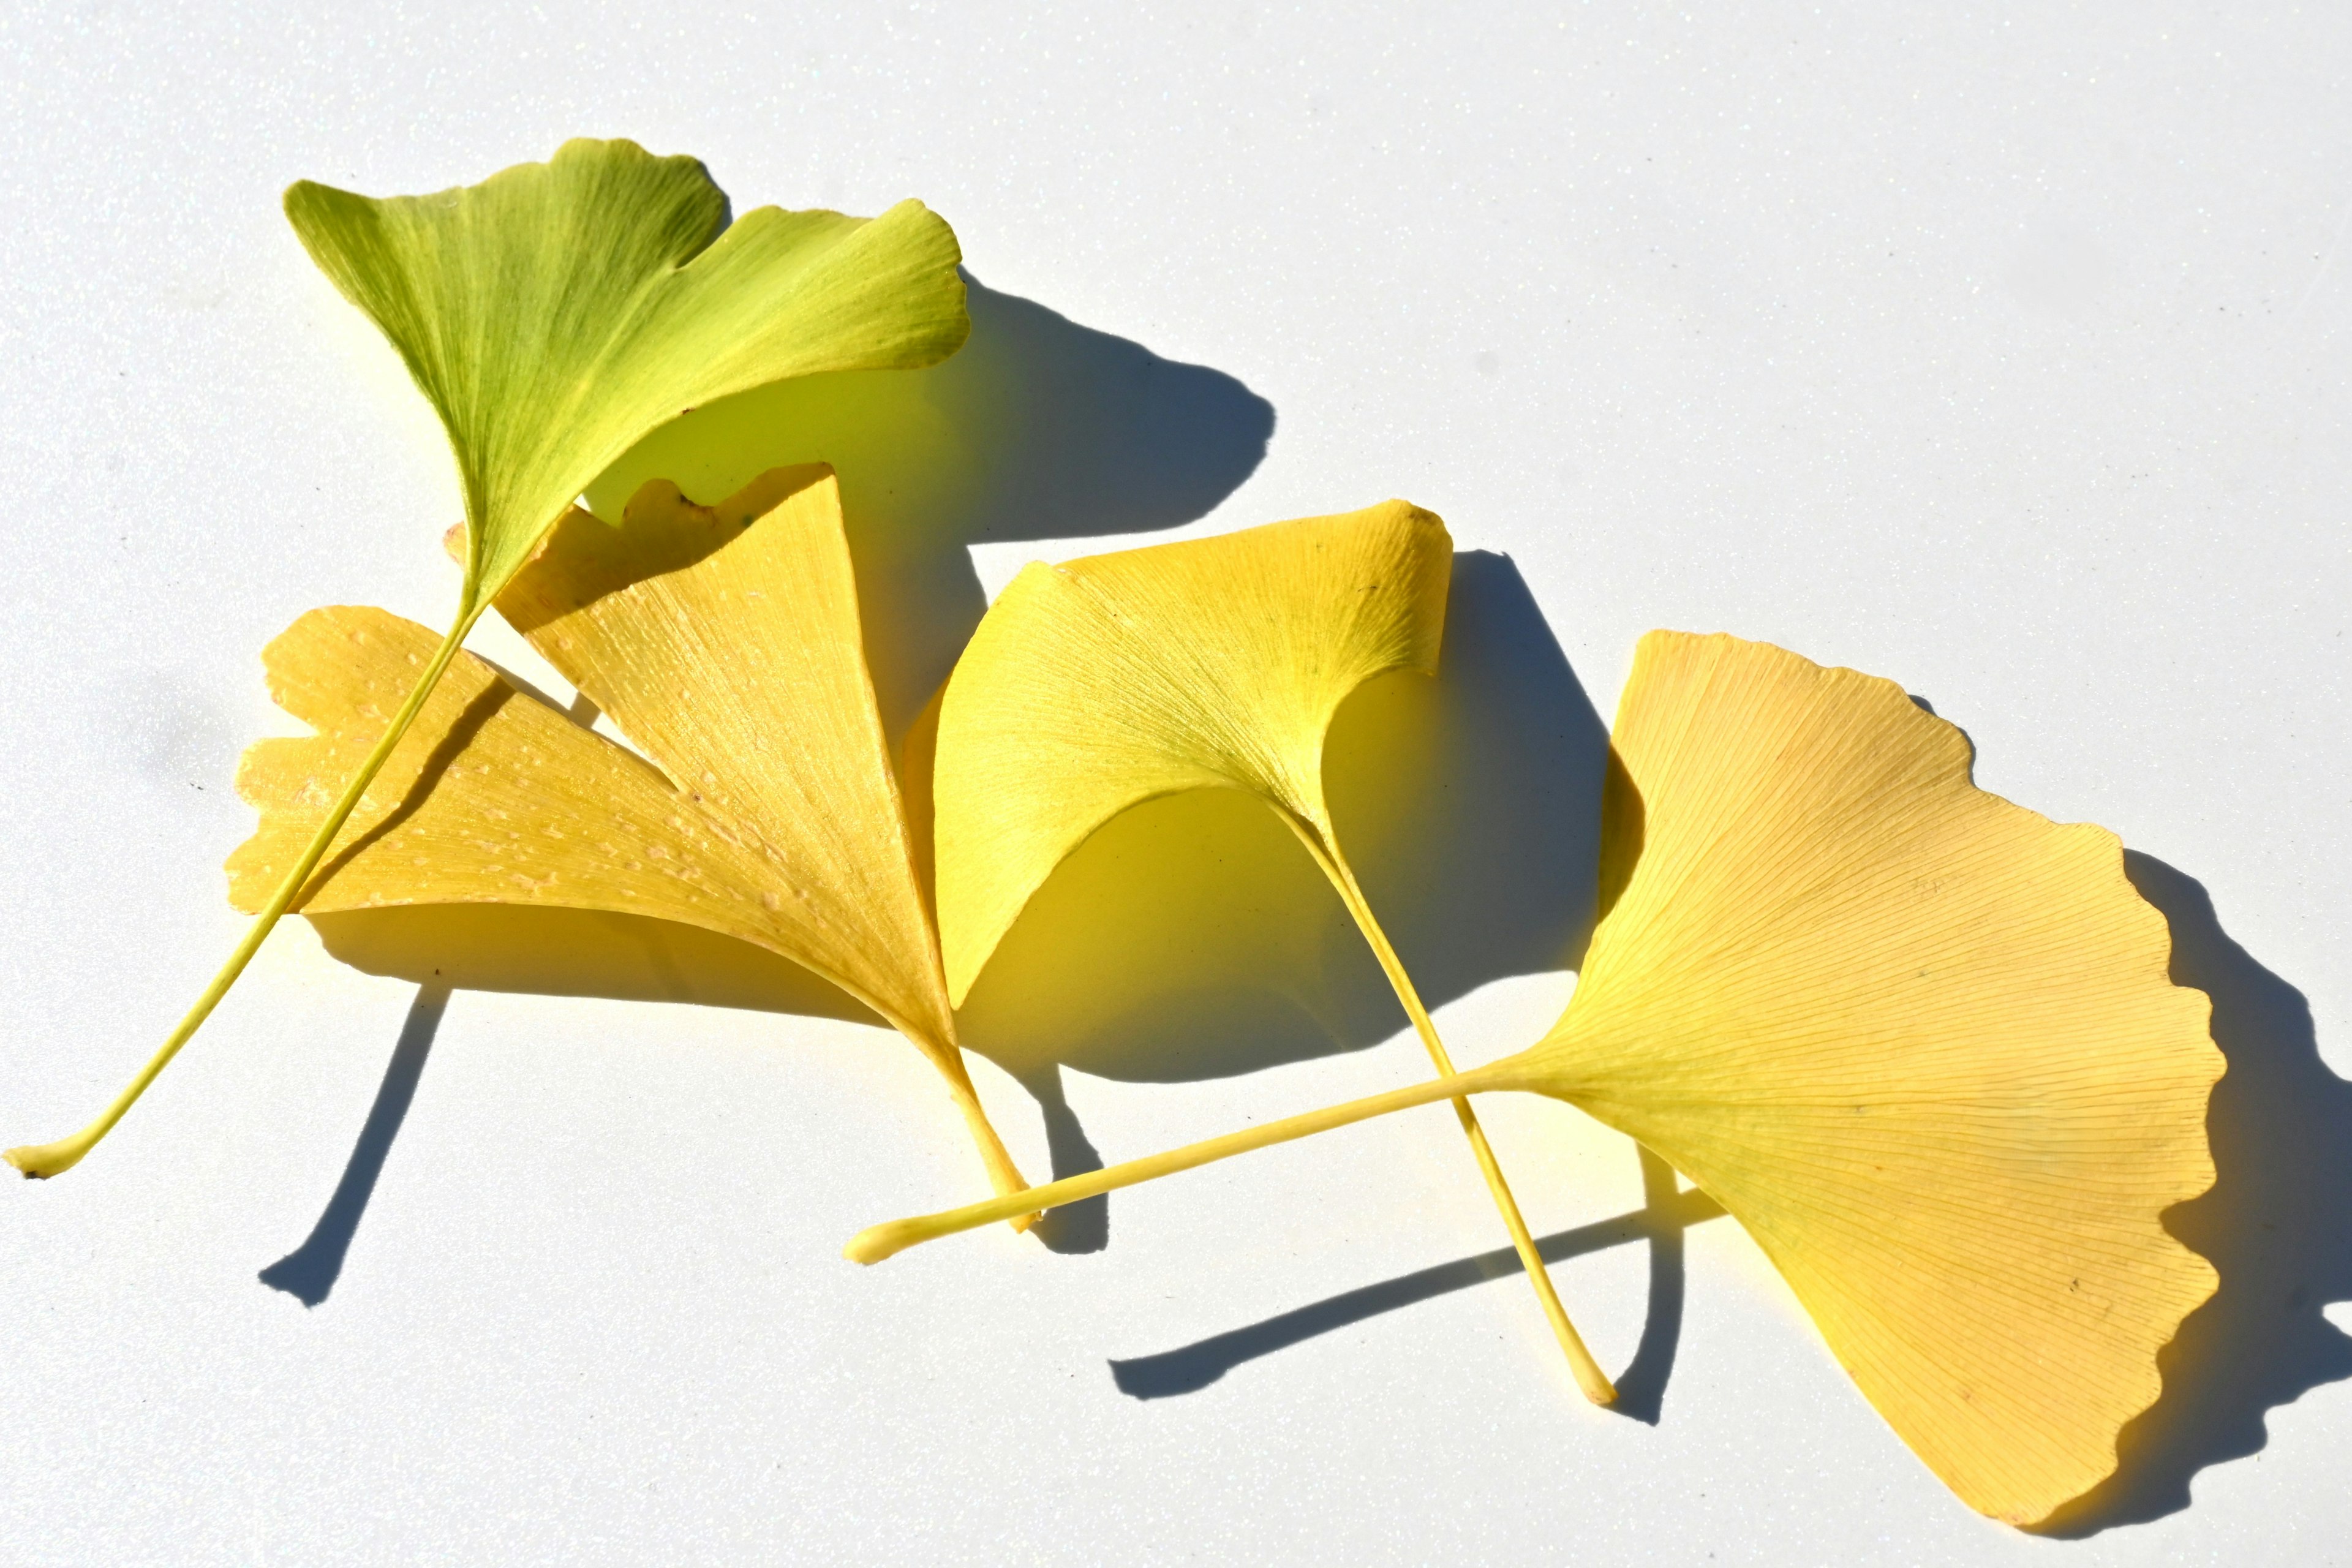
(876, 1242)
(40, 1161)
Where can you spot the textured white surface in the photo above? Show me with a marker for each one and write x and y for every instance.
(2000, 353)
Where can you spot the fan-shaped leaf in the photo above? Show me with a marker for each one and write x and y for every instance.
(557, 311)
(725, 641)
(1096, 685)
(1919, 1041)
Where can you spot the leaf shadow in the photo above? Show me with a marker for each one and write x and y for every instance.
(1667, 1210)
(1038, 428)
(445, 752)
(2276, 1225)
(308, 1273)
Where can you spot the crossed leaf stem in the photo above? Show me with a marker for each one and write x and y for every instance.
(1589, 1376)
(43, 1160)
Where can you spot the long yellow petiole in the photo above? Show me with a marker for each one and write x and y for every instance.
(1589, 1376)
(49, 1159)
(1002, 1173)
(875, 1242)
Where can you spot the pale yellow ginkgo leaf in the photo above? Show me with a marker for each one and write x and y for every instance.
(725, 642)
(1920, 1041)
(1095, 686)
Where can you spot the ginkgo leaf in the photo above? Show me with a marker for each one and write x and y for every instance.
(1921, 1042)
(1092, 686)
(1097, 685)
(557, 311)
(725, 642)
(552, 315)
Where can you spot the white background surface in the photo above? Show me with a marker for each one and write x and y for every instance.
(2000, 353)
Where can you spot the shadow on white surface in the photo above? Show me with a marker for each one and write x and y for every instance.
(1667, 1209)
(2277, 1224)
(308, 1273)
(1037, 428)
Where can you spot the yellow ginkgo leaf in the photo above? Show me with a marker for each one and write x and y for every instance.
(1100, 684)
(725, 642)
(1920, 1041)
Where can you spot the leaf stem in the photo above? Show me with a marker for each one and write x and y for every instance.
(1002, 1173)
(1326, 851)
(43, 1160)
(875, 1242)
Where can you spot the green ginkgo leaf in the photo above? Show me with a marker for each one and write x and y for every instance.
(557, 311)
(552, 315)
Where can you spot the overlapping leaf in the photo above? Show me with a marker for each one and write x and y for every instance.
(1920, 1041)
(725, 642)
(552, 315)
